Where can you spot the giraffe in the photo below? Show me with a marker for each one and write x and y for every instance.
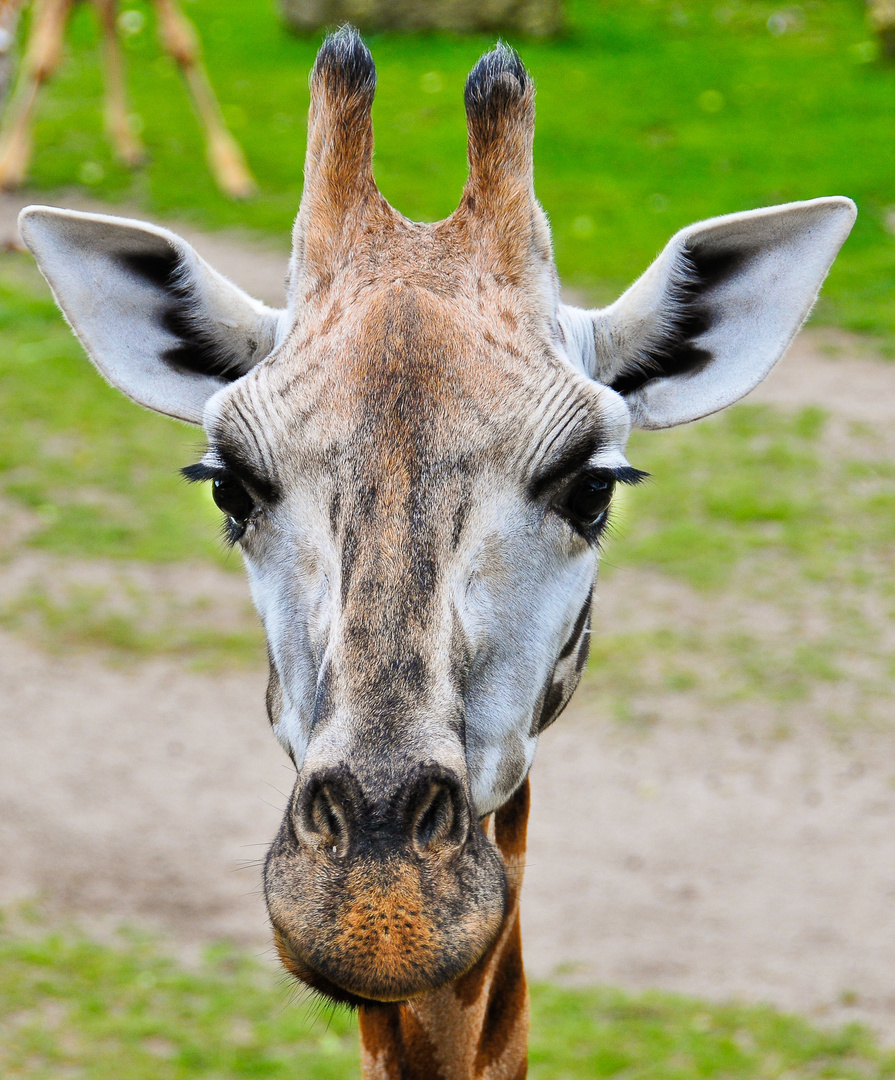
(43, 54)
(417, 458)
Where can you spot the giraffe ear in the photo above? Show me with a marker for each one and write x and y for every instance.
(157, 321)
(714, 313)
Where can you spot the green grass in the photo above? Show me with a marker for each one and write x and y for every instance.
(126, 622)
(96, 473)
(756, 482)
(651, 114)
(656, 1036)
(70, 1007)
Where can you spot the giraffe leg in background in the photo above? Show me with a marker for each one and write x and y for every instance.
(127, 146)
(225, 156)
(9, 21)
(42, 56)
(477, 1027)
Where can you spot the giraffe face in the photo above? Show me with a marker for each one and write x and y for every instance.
(416, 458)
(419, 513)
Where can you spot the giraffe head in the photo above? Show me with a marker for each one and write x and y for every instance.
(416, 458)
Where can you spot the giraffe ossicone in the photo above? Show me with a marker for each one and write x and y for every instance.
(416, 457)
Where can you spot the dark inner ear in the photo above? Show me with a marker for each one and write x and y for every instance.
(199, 349)
(690, 314)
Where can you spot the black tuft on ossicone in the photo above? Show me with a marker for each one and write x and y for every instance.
(498, 81)
(345, 60)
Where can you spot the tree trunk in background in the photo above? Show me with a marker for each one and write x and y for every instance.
(882, 15)
(539, 18)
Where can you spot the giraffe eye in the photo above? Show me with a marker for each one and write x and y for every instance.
(231, 497)
(587, 500)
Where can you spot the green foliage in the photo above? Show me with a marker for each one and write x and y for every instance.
(651, 114)
(72, 1007)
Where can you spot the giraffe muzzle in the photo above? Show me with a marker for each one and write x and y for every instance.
(382, 898)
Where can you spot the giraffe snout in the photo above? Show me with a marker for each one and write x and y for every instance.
(385, 891)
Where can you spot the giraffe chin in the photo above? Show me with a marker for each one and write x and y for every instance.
(320, 984)
(385, 927)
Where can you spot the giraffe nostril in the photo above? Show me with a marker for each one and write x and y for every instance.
(430, 812)
(323, 819)
(437, 816)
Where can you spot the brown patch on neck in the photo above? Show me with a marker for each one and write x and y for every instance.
(511, 828)
(477, 1027)
(396, 1046)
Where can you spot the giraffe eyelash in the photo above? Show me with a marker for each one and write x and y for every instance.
(234, 525)
(627, 474)
(201, 471)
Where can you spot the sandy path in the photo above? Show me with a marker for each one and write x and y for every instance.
(682, 858)
(686, 858)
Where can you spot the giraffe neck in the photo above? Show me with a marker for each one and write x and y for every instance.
(476, 1028)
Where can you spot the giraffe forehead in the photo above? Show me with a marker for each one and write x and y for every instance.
(404, 354)
(410, 387)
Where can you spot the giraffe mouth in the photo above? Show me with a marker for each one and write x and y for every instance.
(381, 966)
(298, 967)
(323, 986)
(384, 925)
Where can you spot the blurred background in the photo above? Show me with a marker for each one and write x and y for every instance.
(711, 880)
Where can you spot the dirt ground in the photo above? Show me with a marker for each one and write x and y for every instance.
(700, 858)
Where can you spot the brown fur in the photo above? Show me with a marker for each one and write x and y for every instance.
(340, 199)
(477, 1027)
(499, 203)
(347, 237)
